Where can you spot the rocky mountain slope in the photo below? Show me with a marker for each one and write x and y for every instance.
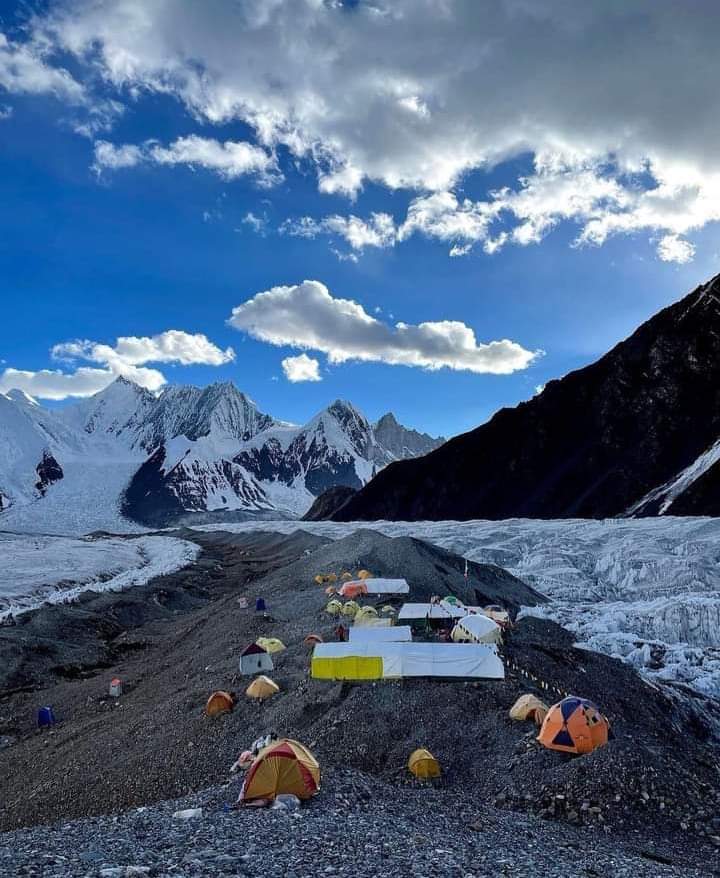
(634, 433)
(190, 450)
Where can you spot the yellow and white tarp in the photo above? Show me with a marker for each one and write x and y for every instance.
(366, 660)
(476, 629)
(377, 634)
(385, 586)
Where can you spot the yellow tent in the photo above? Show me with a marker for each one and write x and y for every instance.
(423, 764)
(219, 702)
(350, 609)
(364, 574)
(262, 688)
(529, 707)
(284, 766)
(325, 578)
(365, 615)
(346, 576)
(271, 644)
(387, 610)
(334, 608)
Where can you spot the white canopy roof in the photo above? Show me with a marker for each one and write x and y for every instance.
(480, 628)
(394, 634)
(431, 611)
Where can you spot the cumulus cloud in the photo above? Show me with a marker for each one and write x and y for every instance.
(301, 368)
(128, 357)
(24, 70)
(307, 316)
(673, 248)
(229, 160)
(414, 94)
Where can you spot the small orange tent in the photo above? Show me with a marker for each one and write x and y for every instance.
(574, 725)
(353, 589)
(219, 702)
(285, 766)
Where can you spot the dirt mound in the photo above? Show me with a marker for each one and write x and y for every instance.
(329, 502)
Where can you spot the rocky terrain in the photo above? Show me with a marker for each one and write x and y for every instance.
(646, 801)
(629, 434)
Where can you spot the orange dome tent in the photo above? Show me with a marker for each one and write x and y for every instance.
(353, 589)
(219, 702)
(423, 764)
(285, 766)
(261, 688)
(574, 725)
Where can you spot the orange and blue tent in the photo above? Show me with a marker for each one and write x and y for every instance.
(574, 725)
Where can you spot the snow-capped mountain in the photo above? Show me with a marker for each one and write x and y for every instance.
(151, 459)
(635, 433)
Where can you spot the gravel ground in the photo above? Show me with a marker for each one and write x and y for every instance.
(655, 786)
(357, 826)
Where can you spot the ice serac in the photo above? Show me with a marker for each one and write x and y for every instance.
(592, 444)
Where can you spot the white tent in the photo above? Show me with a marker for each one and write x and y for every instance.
(430, 611)
(367, 660)
(394, 634)
(386, 586)
(476, 629)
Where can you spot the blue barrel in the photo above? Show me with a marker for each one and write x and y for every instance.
(260, 605)
(45, 717)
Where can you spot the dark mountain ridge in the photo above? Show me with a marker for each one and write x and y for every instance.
(592, 444)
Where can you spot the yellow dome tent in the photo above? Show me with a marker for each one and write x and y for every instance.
(364, 574)
(346, 576)
(219, 702)
(350, 609)
(334, 608)
(529, 707)
(365, 615)
(262, 688)
(387, 610)
(285, 766)
(325, 578)
(423, 764)
(271, 644)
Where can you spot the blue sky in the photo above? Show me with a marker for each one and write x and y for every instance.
(94, 247)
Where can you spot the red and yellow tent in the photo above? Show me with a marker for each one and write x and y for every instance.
(285, 766)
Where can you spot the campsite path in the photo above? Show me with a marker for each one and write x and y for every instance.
(358, 826)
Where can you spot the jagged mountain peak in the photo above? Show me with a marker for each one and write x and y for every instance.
(21, 397)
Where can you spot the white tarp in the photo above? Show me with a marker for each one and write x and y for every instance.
(394, 634)
(461, 660)
(477, 629)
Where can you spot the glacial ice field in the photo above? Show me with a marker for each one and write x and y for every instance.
(48, 569)
(644, 590)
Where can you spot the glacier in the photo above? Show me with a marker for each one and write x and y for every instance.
(644, 590)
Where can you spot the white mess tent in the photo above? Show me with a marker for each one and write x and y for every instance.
(386, 586)
(419, 612)
(366, 660)
(476, 629)
(376, 634)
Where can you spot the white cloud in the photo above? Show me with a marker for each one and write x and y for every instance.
(378, 231)
(306, 316)
(229, 160)
(301, 368)
(127, 358)
(413, 94)
(24, 70)
(673, 248)
(259, 224)
(5, 111)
